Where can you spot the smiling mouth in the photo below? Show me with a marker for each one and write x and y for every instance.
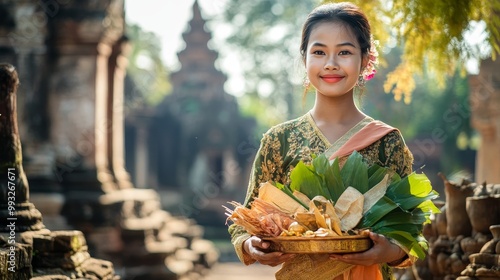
(332, 79)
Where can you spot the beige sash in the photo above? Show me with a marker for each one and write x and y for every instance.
(366, 136)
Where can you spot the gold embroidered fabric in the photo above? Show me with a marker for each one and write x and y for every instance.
(284, 145)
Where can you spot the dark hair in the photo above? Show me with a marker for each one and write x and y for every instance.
(344, 12)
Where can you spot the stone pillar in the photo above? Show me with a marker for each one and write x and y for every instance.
(117, 71)
(485, 118)
(16, 212)
(26, 36)
(81, 41)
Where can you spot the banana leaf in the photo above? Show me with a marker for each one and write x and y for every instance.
(409, 241)
(397, 216)
(305, 180)
(354, 173)
(428, 207)
(378, 210)
(375, 174)
(321, 167)
(411, 191)
(408, 228)
(334, 181)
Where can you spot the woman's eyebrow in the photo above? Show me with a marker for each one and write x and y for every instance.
(346, 44)
(318, 44)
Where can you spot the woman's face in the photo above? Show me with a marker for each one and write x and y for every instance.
(333, 59)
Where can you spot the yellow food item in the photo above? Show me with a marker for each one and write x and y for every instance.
(297, 228)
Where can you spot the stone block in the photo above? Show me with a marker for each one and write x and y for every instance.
(62, 260)
(21, 274)
(60, 241)
(17, 259)
(98, 269)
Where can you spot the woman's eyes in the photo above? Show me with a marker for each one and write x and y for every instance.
(318, 52)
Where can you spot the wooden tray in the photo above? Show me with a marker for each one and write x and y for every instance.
(314, 245)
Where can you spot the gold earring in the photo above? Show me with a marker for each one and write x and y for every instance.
(306, 83)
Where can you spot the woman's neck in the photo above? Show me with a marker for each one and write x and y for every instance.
(339, 110)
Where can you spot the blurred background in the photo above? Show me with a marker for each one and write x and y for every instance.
(140, 119)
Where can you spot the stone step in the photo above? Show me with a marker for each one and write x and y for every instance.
(207, 252)
(129, 195)
(155, 221)
(183, 227)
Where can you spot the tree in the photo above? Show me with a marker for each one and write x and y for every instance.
(266, 33)
(146, 69)
(432, 34)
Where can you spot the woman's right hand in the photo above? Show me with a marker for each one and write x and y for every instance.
(257, 249)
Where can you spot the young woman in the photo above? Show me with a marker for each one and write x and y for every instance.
(338, 55)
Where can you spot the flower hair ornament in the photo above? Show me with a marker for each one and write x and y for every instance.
(369, 71)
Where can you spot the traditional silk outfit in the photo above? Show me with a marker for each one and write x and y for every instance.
(284, 145)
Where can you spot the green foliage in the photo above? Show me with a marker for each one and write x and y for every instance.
(267, 34)
(432, 35)
(146, 68)
(399, 214)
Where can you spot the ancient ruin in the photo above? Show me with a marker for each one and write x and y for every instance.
(195, 142)
(71, 60)
(29, 250)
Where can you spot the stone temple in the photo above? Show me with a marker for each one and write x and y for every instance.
(83, 210)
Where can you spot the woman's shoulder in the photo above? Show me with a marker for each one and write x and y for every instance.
(394, 135)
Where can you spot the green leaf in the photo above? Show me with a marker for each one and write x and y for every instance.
(354, 173)
(334, 181)
(428, 207)
(378, 210)
(411, 191)
(411, 229)
(305, 180)
(397, 217)
(408, 241)
(320, 164)
(375, 174)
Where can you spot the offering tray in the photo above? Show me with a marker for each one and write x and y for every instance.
(315, 245)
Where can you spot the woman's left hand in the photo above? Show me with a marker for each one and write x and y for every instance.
(382, 251)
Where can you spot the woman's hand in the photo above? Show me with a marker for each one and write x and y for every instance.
(257, 249)
(383, 251)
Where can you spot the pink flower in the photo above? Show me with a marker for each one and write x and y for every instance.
(369, 71)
